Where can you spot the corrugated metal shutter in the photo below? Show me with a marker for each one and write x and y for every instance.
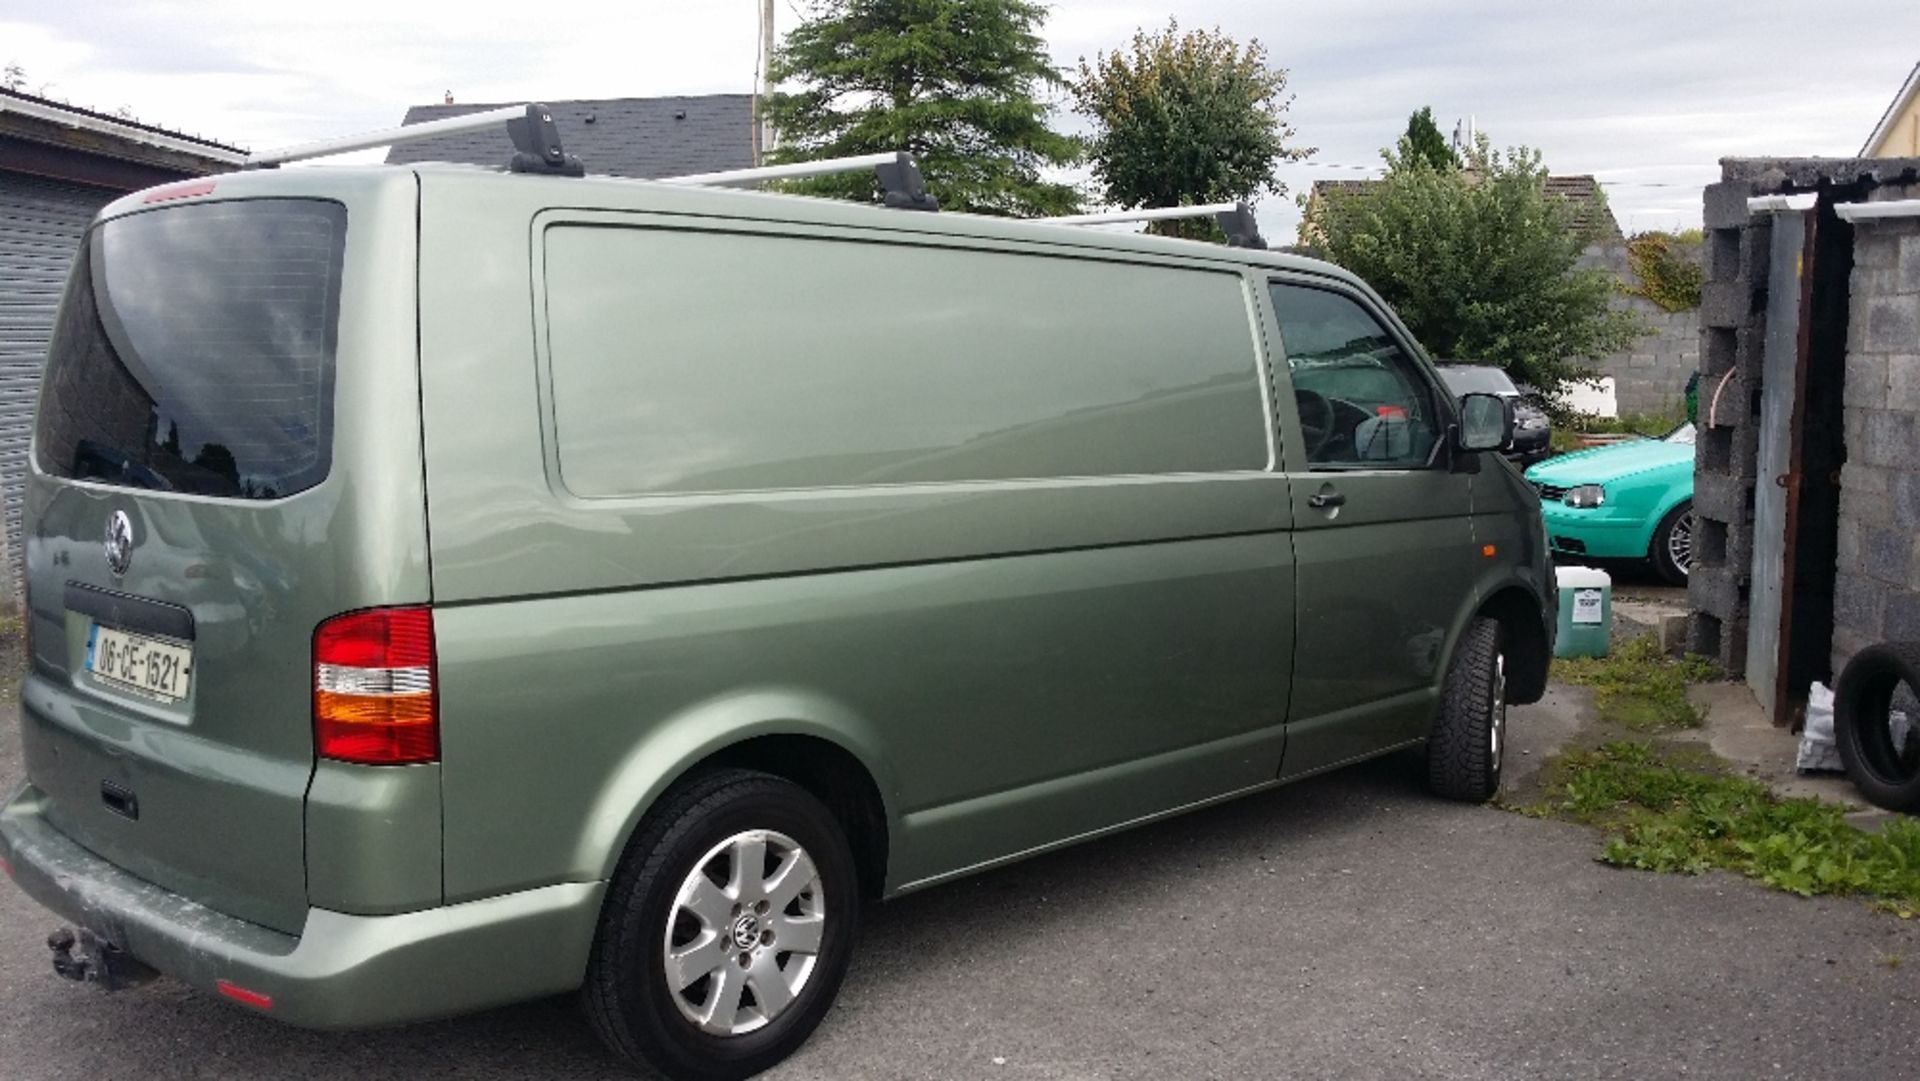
(41, 222)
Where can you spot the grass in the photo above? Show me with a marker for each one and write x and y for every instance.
(1672, 810)
(1639, 687)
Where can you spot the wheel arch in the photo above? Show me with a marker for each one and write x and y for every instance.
(832, 775)
(1650, 525)
(800, 737)
(1528, 643)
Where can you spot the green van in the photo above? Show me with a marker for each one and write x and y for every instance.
(448, 587)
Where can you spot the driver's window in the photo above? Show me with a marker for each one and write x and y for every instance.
(1360, 399)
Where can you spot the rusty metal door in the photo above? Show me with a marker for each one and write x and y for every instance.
(1774, 474)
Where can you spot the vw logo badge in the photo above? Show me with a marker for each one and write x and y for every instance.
(119, 541)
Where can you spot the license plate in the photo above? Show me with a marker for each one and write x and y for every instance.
(146, 666)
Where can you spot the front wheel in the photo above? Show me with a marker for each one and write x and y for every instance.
(1672, 549)
(726, 930)
(1468, 740)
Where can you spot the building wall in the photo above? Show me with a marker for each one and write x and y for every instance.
(41, 223)
(1853, 558)
(1877, 588)
(1903, 135)
(1650, 376)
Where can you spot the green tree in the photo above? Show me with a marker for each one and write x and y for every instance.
(954, 82)
(1424, 141)
(1479, 262)
(1183, 119)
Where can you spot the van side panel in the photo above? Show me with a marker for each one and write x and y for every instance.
(984, 694)
(997, 650)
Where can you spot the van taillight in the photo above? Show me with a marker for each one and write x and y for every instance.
(374, 700)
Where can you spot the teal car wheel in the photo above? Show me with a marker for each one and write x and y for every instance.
(1672, 551)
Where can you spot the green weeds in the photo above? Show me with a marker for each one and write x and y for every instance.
(1668, 810)
(1638, 686)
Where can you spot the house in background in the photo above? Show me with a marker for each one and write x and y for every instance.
(59, 165)
(647, 138)
(1898, 133)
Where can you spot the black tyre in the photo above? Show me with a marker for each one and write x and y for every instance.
(726, 929)
(1469, 736)
(1671, 552)
(1881, 751)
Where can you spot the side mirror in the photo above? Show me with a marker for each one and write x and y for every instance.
(1486, 422)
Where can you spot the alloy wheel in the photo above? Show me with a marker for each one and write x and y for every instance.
(743, 936)
(1680, 542)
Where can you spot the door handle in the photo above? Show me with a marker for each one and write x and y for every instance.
(1326, 500)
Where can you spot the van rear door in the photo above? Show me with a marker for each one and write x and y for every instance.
(191, 517)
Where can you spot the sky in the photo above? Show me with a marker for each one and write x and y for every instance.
(1646, 96)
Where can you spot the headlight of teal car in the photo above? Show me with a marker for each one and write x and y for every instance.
(1585, 496)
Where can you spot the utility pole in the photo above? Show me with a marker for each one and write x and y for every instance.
(763, 86)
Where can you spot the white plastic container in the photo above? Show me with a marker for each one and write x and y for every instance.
(1586, 612)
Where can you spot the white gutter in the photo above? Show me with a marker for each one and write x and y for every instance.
(129, 132)
(1762, 204)
(1891, 208)
(1165, 213)
(390, 136)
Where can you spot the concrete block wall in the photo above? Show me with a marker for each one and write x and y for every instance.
(1877, 585)
(1649, 376)
(1731, 336)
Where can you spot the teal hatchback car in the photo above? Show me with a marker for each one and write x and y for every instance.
(1632, 500)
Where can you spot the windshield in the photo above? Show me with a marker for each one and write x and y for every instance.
(1477, 379)
(1682, 434)
(194, 351)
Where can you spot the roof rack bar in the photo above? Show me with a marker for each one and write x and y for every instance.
(387, 137)
(1236, 220)
(1165, 213)
(795, 171)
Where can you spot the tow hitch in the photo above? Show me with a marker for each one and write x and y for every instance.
(99, 961)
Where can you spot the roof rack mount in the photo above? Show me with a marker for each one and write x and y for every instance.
(1236, 220)
(529, 126)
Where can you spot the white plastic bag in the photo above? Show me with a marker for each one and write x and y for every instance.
(1817, 751)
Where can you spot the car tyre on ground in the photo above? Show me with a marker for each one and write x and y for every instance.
(1882, 757)
(688, 975)
(1465, 748)
(1672, 550)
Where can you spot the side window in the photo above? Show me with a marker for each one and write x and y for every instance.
(686, 362)
(1361, 400)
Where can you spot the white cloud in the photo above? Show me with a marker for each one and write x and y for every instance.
(1645, 94)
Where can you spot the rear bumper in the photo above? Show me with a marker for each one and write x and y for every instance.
(342, 971)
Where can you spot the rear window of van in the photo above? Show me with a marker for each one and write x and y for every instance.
(686, 361)
(194, 351)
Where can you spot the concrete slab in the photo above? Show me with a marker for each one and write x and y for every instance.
(1738, 731)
